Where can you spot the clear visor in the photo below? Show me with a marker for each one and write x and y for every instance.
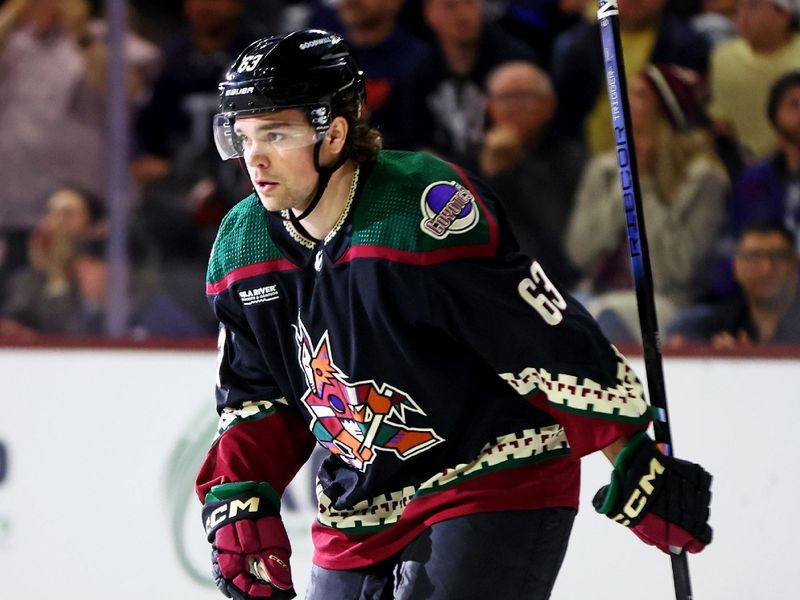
(235, 137)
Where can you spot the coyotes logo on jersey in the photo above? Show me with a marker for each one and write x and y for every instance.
(354, 420)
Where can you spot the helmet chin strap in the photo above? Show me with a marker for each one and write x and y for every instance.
(325, 174)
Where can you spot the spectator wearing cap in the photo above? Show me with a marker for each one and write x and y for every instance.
(648, 34)
(743, 70)
(770, 189)
(766, 309)
(683, 186)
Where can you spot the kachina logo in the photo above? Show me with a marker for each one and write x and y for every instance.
(355, 419)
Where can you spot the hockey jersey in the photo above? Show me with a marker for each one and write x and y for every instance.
(444, 372)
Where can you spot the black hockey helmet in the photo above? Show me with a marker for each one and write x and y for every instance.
(312, 70)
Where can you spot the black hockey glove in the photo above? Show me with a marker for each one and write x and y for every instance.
(249, 546)
(663, 500)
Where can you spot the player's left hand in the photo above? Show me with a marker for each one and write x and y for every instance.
(663, 500)
(250, 549)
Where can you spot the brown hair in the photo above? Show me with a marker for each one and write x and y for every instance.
(364, 140)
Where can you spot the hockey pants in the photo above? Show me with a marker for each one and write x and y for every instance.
(488, 556)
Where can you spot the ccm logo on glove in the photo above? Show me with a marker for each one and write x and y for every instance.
(250, 550)
(663, 500)
(229, 511)
(638, 499)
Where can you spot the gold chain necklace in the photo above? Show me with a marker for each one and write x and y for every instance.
(304, 241)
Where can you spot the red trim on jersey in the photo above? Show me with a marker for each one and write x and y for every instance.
(271, 449)
(417, 258)
(552, 483)
(442, 254)
(587, 434)
(260, 268)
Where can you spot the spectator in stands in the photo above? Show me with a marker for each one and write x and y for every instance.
(648, 36)
(441, 105)
(533, 170)
(385, 50)
(683, 187)
(744, 69)
(770, 190)
(153, 313)
(43, 296)
(184, 95)
(48, 116)
(768, 309)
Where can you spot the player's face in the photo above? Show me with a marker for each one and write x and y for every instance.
(278, 152)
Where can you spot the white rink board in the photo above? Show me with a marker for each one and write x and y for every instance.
(102, 447)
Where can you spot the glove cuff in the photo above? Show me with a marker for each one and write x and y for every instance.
(615, 488)
(230, 502)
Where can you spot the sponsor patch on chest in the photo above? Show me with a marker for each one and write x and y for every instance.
(447, 207)
(258, 295)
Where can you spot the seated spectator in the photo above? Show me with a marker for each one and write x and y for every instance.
(744, 69)
(770, 189)
(649, 35)
(533, 170)
(441, 105)
(152, 312)
(683, 187)
(767, 310)
(43, 297)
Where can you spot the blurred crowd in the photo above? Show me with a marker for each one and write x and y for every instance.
(513, 90)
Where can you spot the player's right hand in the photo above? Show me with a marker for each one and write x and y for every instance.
(250, 548)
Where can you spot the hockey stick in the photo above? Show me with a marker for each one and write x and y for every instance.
(608, 17)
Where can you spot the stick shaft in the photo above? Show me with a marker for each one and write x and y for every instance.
(639, 251)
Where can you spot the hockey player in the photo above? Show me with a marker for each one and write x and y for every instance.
(373, 302)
